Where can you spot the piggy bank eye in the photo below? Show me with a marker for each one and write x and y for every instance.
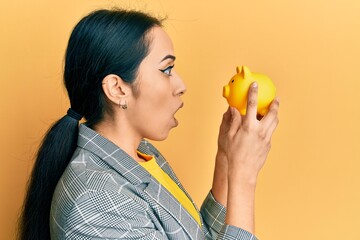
(232, 81)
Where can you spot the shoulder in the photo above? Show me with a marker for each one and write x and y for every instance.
(88, 182)
(87, 173)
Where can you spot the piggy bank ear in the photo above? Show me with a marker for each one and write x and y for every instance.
(243, 71)
(238, 69)
(246, 72)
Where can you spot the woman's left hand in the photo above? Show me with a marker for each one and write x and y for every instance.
(220, 180)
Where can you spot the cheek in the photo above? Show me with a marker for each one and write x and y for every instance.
(158, 97)
(157, 126)
(152, 109)
(156, 102)
(159, 119)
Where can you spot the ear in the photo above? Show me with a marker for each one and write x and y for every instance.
(243, 71)
(247, 72)
(115, 88)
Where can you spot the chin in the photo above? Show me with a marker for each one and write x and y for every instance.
(159, 137)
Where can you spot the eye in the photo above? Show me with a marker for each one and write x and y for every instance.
(232, 81)
(167, 70)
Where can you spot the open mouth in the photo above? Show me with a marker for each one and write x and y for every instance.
(175, 120)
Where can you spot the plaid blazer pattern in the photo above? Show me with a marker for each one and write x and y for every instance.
(105, 194)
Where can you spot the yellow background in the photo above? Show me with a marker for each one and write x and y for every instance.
(308, 189)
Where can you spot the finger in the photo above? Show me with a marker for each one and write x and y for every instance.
(225, 123)
(271, 129)
(227, 115)
(235, 121)
(251, 109)
(272, 113)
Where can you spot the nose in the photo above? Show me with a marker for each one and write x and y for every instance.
(180, 87)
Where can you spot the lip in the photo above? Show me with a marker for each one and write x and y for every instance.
(180, 106)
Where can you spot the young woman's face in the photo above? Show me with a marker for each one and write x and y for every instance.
(159, 89)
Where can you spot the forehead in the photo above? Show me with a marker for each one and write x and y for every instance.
(160, 45)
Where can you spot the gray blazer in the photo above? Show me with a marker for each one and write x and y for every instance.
(105, 194)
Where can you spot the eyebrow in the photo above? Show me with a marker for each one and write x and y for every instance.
(167, 57)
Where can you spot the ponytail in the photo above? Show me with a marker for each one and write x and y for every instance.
(52, 158)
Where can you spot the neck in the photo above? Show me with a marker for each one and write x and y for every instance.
(122, 135)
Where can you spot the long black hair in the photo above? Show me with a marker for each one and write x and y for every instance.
(104, 42)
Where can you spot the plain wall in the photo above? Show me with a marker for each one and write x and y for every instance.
(308, 189)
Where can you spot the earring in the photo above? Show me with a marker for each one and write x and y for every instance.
(123, 106)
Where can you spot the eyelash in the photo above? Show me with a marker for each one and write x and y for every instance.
(167, 70)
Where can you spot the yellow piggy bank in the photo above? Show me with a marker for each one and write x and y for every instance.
(236, 91)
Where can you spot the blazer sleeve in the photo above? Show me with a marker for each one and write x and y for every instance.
(110, 215)
(213, 214)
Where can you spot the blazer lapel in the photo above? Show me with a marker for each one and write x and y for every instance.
(161, 196)
(149, 149)
(165, 199)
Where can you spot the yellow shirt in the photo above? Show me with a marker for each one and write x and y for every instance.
(163, 178)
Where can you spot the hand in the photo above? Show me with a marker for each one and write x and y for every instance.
(247, 147)
(249, 139)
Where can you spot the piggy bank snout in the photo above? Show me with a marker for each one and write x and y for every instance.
(226, 91)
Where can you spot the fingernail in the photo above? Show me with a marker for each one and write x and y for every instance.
(255, 84)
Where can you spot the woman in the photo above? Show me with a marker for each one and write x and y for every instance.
(101, 179)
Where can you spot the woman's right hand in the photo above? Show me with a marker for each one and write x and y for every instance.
(248, 145)
(249, 139)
